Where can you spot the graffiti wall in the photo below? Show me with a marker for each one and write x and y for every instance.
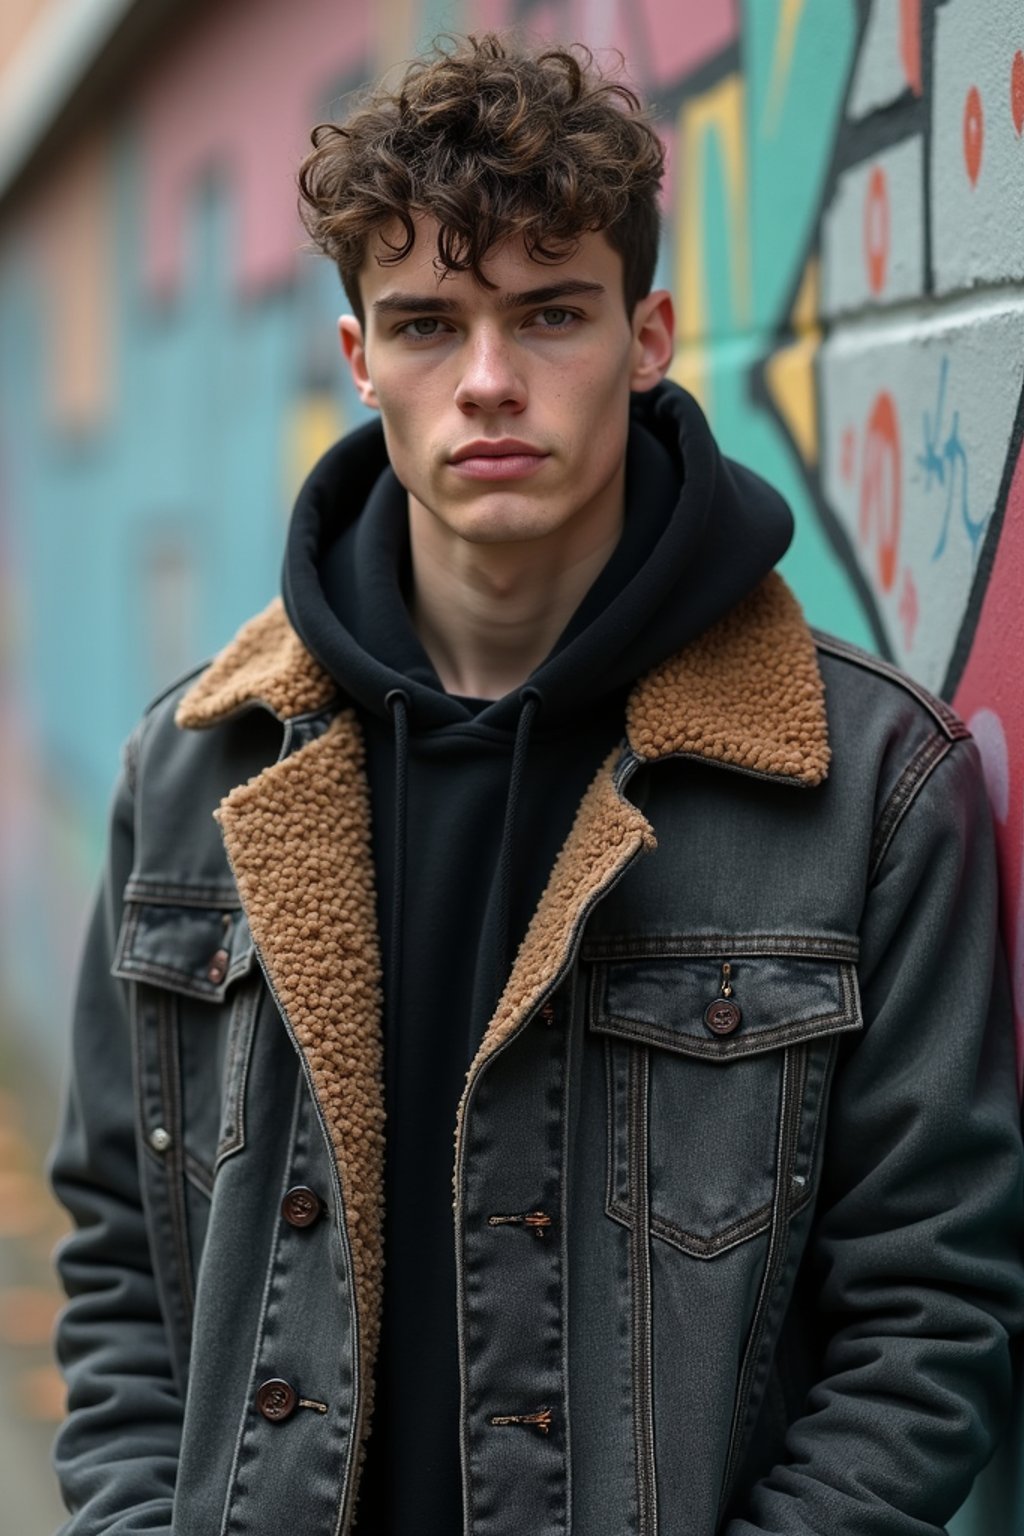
(845, 238)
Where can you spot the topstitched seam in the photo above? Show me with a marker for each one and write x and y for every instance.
(941, 712)
(144, 889)
(922, 764)
(671, 946)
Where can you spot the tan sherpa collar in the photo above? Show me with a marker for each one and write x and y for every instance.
(746, 693)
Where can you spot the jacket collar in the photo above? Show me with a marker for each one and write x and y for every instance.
(747, 693)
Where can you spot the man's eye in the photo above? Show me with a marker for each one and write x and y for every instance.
(556, 317)
(425, 326)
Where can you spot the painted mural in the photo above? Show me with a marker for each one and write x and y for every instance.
(845, 218)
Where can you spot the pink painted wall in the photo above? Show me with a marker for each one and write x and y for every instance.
(239, 95)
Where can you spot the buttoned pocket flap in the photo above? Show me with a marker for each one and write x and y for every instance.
(731, 1003)
(197, 950)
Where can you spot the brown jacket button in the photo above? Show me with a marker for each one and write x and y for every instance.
(276, 1400)
(218, 967)
(301, 1207)
(722, 1017)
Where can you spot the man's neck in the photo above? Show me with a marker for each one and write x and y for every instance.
(488, 614)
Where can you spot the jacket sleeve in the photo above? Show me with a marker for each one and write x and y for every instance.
(116, 1454)
(916, 1252)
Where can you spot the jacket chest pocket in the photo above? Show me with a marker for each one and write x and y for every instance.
(196, 997)
(717, 1064)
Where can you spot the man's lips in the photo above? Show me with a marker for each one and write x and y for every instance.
(502, 459)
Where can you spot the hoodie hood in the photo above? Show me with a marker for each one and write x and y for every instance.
(700, 532)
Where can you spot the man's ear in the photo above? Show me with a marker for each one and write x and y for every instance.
(350, 333)
(654, 333)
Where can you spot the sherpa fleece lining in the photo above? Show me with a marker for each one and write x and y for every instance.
(747, 693)
(266, 662)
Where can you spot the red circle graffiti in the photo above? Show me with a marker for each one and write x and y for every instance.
(880, 487)
(910, 43)
(1017, 91)
(974, 134)
(876, 229)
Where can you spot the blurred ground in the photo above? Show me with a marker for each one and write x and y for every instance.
(31, 1392)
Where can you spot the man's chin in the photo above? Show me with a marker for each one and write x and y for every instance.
(498, 519)
(493, 531)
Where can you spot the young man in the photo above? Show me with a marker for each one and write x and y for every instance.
(535, 815)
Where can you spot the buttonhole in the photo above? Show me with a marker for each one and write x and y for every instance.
(541, 1420)
(536, 1221)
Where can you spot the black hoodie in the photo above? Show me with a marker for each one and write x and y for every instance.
(471, 802)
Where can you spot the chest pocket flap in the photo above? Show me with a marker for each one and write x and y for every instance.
(776, 996)
(196, 950)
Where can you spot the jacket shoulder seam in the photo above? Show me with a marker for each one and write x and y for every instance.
(947, 719)
(908, 787)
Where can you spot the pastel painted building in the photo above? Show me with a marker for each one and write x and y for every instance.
(846, 243)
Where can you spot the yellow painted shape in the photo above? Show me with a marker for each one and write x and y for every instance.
(719, 111)
(789, 376)
(790, 17)
(317, 421)
(689, 369)
(789, 372)
(806, 306)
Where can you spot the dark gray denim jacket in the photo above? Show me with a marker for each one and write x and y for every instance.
(737, 1170)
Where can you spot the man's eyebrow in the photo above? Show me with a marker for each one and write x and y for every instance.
(423, 304)
(571, 288)
(400, 303)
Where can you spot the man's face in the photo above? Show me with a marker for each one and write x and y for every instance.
(505, 409)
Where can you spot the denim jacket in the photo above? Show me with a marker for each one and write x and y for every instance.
(736, 1172)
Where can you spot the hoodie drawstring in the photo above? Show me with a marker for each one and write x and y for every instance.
(530, 702)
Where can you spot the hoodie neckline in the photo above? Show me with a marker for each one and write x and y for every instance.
(697, 535)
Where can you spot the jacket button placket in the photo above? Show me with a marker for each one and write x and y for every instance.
(302, 1389)
(512, 1294)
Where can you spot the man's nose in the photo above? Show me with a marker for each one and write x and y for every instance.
(490, 379)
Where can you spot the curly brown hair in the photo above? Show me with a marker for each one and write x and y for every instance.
(492, 140)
